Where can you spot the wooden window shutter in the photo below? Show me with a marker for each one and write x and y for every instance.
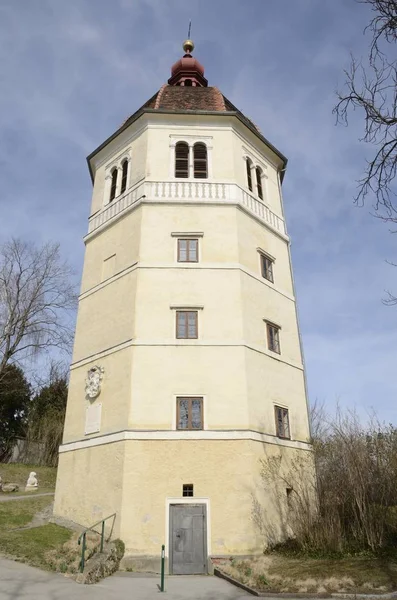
(267, 268)
(186, 324)
(113, 187)
(189, 413)
(187, 250)
(282, 422)
(249, 176)
(273, 338)
(259, 182)
(124, 177)
(181, 160)
(200, 161)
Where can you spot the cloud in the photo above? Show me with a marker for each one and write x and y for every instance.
(72, 73)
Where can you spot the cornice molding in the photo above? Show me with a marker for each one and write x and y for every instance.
(172, 435)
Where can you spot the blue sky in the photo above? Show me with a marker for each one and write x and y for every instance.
(73, 71)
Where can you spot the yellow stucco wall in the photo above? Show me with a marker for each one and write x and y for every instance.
(122, 241)
(135, 479)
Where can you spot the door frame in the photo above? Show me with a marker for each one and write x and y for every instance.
(184, 500)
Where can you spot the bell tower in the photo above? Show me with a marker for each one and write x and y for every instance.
(187, 365)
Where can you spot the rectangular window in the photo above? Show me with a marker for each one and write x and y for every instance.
(187, 250)
(273, 337)
(186, 324)
(282, 422)
(267, 267)
(189, 413)
(187, 489)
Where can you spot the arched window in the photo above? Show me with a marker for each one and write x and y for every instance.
(200, 161)
(114, 185)
(249, 176)
(258, 171)
(181, 160)
(124, 176)
(188, 82)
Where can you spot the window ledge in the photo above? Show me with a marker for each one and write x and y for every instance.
(272, 323)
(187, 234)
(267, 254)
(186, 307)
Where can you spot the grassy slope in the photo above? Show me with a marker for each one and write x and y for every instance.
(29, 545)
(17, 473)
(286, 574)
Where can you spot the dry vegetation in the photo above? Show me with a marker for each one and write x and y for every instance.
(276, 573)
(66, 559)
(349, 504)
(338, 521)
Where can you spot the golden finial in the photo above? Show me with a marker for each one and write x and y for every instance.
(188, 44)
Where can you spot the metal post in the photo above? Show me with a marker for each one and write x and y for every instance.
(103, 533)
(82, 563)
(162, 567)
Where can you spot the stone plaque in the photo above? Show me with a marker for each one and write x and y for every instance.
(93, 418)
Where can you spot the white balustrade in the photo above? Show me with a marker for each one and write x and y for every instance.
(115, 208)
(185, 191)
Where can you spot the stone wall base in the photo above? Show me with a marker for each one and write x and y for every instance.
(142, 563)
(152, 564)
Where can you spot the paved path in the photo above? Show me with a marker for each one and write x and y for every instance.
(20, 582)
(32, 495)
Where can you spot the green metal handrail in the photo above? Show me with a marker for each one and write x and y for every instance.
(84, 533)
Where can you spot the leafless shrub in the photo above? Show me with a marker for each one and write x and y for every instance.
(349, 503)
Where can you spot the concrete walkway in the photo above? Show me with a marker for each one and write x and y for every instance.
(32, 495)
(20, 582)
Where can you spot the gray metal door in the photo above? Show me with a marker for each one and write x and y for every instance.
(188, 539)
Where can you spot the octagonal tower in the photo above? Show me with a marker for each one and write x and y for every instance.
(187, 367)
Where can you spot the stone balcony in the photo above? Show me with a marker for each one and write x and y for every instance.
(186, 192)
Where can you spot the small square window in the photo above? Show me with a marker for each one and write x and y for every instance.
(187, 250)
(273, 337)
(267, 268)
(187, 490)
(189, 413)
(282, 423)
(186, 324)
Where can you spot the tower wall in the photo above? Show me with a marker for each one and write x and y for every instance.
(136, 461)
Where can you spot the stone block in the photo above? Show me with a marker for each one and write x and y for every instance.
(10, 487)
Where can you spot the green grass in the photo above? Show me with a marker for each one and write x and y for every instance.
(18, 473)
(29, 545)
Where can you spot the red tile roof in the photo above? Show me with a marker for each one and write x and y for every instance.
(191, 98)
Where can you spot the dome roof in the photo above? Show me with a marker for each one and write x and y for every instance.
(187, 71)
(187, 63)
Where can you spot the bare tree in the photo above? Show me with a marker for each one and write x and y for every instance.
(37, 297)
(371, 86)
